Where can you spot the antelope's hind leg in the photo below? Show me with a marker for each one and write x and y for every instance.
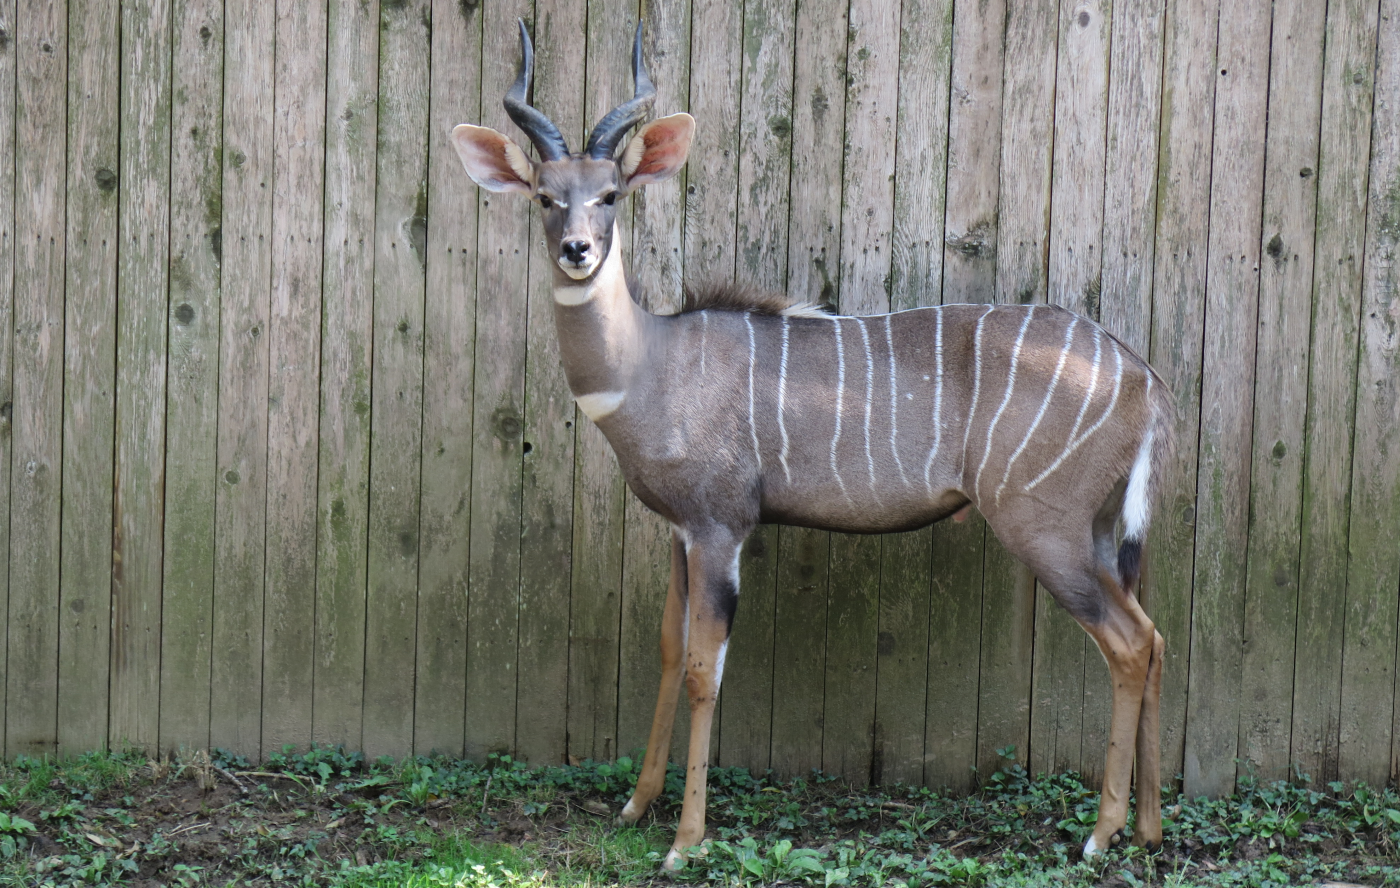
(1090, 591)
(1148, 831)
(714, 593)
(653, 776)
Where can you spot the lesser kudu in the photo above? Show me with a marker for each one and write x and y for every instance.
(738, 414)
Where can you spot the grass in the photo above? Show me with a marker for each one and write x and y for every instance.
(328, 817)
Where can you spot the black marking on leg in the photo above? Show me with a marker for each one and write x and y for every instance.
(726, 601)
(1129, 563)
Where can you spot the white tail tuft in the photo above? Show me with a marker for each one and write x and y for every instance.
(1137, 503)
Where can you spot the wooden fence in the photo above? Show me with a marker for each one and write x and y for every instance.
(288, 455)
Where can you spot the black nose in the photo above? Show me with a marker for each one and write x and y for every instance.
(575, 250)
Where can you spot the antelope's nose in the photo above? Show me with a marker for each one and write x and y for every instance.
(575, 250)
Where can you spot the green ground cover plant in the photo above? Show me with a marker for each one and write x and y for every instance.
(327, 817)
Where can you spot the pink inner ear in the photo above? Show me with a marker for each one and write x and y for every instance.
(664, 150)
(483, 153)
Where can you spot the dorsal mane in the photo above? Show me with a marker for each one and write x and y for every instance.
(732, 296)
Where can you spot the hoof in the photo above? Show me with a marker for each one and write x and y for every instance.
(1092, 848)
(631, 813)
(674, 862)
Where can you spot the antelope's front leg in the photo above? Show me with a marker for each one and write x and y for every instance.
(714, 593)
(653, 776)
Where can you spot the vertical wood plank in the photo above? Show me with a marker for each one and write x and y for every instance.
(1374, 566)
(342, 495)
(867, 177)
(799, 650)
(974, 151)
(547, 497)
(921, 161)
(85, 585)
(765, 161)
(658, 221)
(497, 408)
(41, 53)
(7, 280)
(142, 287)
(818, 121)
(916, 272)
(1130, 170)
(813, 272)
(902, 651)
(1280, 400)
(240, 529)
(400, 235)
(299, 133)
(1217, 620)
(192, 375)
(852, 626)
(448, 384)
(1178, 307)
(1349, 81)
(954, 654)
(1129, 250)
(1021, 235)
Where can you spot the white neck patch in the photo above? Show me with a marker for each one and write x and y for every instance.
(600, 404)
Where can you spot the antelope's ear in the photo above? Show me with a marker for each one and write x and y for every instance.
(493, 161)
(657, 151)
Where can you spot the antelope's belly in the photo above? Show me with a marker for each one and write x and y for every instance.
(857, 511)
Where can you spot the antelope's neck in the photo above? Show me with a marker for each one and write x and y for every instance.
(601, 332)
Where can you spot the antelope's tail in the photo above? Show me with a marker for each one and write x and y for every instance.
(1144, 479)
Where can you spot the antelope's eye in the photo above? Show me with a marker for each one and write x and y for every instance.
(545, 201)
(611, 198)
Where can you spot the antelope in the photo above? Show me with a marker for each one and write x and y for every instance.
(747, 409)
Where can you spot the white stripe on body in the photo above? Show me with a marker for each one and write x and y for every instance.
(1005, 399)
(976, 380)
(894, 404)
(782, 396)
(937, 399)
(1044, 405)
(1074, 442)
(753, 359)
(869, 401)
(840, 397)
